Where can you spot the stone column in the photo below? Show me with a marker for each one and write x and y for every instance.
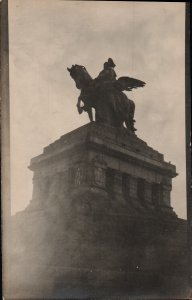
(141, 191)
(148, 195)
(133, 187)
(134, 192)
(126, 187)
(166, 195)
(166, 187)
(118, 185)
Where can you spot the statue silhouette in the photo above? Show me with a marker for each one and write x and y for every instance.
(105, 95)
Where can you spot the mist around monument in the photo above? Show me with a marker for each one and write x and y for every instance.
(100, 217)
(97, 102)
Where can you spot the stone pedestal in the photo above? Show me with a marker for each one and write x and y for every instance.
(100, 222)
(105, 160)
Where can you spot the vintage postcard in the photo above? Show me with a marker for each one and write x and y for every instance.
(95, 144)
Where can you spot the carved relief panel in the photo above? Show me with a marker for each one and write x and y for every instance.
(99, 176)
(78, 176)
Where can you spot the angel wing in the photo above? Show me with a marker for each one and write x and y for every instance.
(128, 83)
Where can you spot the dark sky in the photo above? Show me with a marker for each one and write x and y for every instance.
(146, 41)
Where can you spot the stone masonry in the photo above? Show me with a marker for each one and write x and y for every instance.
(100, 222)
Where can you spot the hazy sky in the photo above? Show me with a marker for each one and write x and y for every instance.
(145, 40)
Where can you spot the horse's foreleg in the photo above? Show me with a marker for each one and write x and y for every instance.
(90, 114)
(79, 108)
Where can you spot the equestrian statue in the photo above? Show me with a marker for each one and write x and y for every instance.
(105, 95)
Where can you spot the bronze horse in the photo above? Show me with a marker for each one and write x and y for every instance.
(112, 106)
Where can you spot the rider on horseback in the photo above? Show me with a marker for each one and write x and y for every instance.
(103, 81)
(107, 80)
(105, 95)
(107, 75)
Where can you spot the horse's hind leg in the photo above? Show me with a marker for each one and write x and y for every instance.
(132, 111)
(130, 125)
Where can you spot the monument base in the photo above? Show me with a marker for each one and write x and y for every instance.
(100, 223)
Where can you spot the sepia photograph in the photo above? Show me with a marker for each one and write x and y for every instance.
(94, 163)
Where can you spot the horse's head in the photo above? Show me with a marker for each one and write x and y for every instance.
(80, 75)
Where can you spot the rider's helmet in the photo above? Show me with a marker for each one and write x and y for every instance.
(111, 63)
